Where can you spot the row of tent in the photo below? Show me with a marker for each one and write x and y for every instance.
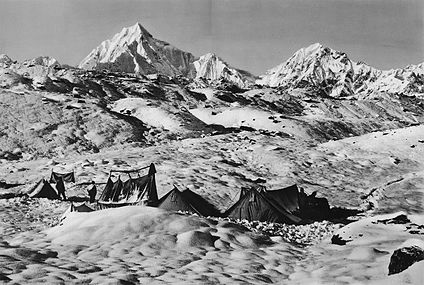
(289, 205)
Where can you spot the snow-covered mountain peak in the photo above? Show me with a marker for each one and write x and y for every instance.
(206, 61)
(314, 65)
(312, 50)
(318, 53)
(210, 56)
(135, 33)
(138, 28)
(315, 52)
(334, 74)
(135, 50)
(211, 67)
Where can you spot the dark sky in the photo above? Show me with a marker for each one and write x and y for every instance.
(250, 34)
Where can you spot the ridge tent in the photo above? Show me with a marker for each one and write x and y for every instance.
(187, 201)
(134, 191)
(297, 202)
(43, 189)
(256, 205)
(67, 177)
(286, 198)
(80, 208)
(287, 205)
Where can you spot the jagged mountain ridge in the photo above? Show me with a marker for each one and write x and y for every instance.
(327, 71)
(409, 80)
(135, 50)
(335, 74)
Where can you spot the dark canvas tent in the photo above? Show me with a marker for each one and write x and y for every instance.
(255, 205)
(67, 177)
(76, 208)
(286, 198)
(287, 205)
(134, 191)
(43, 189)
(297, 202)
(187, 201)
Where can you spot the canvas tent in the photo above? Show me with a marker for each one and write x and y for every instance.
(67, 177)
(287, 205)
(256, 205)
(286, 198)
(60, 180)
(134, 191)
(187, 201)
(43, 189)
(80, 208)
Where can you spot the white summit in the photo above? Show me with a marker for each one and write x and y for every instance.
(336, 75)
(135, 50)
(211, 67)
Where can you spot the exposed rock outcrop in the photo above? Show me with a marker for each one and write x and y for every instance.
(404, 257)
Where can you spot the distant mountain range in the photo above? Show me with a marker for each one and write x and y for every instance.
(329, 71)
(134, 88)
(322, 70)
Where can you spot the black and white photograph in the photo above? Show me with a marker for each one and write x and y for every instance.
(203, 142)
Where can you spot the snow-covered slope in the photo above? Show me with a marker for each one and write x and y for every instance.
(135, 50)
(211, 67)
(336, 75)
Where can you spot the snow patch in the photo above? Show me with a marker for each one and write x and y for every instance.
(153, 116)
(247, 117)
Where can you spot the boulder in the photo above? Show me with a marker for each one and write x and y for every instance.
(336, 239)
(404, 257)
